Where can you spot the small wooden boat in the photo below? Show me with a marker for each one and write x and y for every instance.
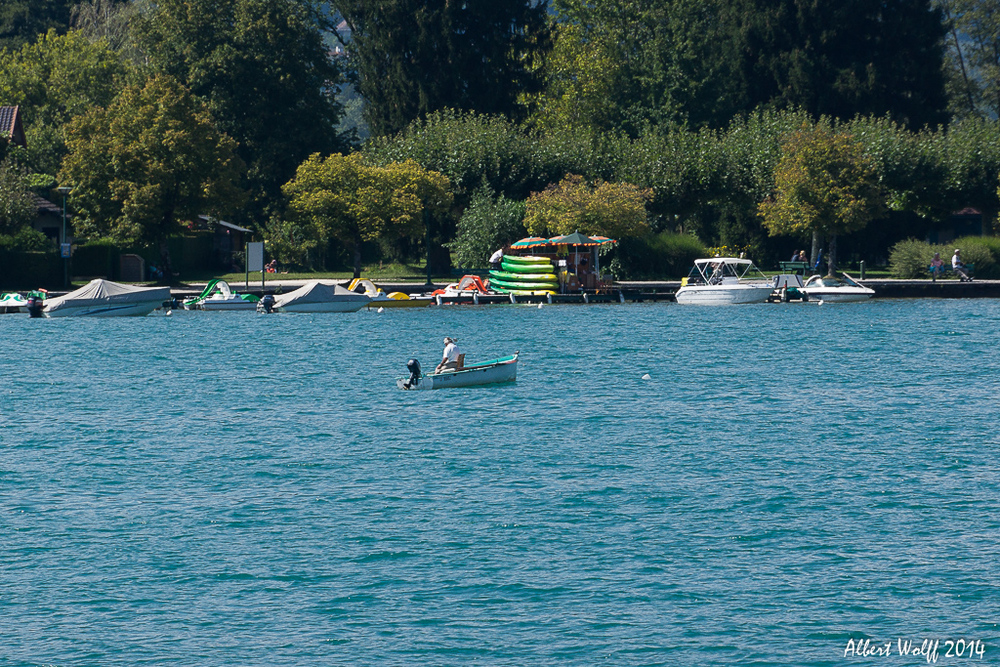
(488, 372)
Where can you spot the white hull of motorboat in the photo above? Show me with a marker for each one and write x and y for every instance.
(325, 307)
(838, 295)
(489, 372)
(225, 304)
(833, 289)
(723, 294)
(105, 309)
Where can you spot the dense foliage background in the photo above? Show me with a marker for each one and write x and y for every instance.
(674, 117)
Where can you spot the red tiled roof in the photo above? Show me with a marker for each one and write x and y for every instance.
(10, 124)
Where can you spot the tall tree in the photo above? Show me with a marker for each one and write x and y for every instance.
(418, 56)
(627, 65)
(54, 79)
(347, 199)
(266, 74)
(973, 62)
(824, 184)
(152, 159)
(842, 59)
(22, 21)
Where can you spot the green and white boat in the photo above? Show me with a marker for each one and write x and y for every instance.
(495, 371)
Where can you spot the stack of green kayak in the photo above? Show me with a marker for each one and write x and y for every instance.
(524, 275)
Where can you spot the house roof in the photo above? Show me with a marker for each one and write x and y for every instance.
(228, 225)
(10, 124)
(43, 205)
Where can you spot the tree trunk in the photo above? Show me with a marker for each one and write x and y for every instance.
(814, 257)
(165, 265)
(357, 258)
(831, 256)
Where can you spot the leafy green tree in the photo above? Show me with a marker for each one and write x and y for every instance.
(842, 59)
(344, 198)
(414, 57)
(266, 75)
(152, 159)
(54, 79)
(22, 21)
(973, 57)
(630, 65)
(573, 204)
(824, 184)
(17, 206)
(971, 155)
(488, 224)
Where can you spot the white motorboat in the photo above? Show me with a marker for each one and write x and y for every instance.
(831, 288)
(724, 280)
(219, 296)
(494, 371)
(318, 297)
(103, 298)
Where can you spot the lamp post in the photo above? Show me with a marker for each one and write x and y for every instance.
(64, 249)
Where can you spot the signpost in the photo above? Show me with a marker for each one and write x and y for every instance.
(255, 262)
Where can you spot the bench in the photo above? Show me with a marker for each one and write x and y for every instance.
(798, 268)
(947, 271)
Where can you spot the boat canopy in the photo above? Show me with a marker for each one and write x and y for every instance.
(104, 291)
(317, 292)
(714, 269)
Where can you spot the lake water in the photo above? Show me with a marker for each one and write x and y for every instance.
(235, 489)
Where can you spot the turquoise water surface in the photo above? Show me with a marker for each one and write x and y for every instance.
(236, 489)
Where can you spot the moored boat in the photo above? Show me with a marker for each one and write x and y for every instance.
(724, 280)
(103, 298)
(219, 296)
(495, 371)
(833, 289)
(318, 297)
(379, 299)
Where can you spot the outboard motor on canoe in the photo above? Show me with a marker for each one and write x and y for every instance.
(414, 367)
(34, 306)
(266, 304)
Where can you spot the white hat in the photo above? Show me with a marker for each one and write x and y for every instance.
(448, 340)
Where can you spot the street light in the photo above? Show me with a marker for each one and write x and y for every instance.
(64, 248)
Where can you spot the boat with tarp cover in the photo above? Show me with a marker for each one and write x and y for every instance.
(318, 297)
(103, 298)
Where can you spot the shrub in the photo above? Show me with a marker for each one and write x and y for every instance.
(656, 256)
(910, 258)
(486, 225)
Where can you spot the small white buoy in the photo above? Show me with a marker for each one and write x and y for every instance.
(169, 312)
(820, 302)
(540, 305)
(647, 377)
(381, 309)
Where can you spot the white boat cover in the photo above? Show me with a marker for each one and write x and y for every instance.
(100, 291)
(314, 293)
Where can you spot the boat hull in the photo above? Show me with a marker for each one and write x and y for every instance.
(227, 304)
(131, 309)
(326, 307)
(490, 372)
(835, 295)
(723, 294)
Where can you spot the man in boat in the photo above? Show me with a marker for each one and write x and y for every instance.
(453, 359)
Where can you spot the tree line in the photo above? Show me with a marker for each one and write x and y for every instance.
(491, 119)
